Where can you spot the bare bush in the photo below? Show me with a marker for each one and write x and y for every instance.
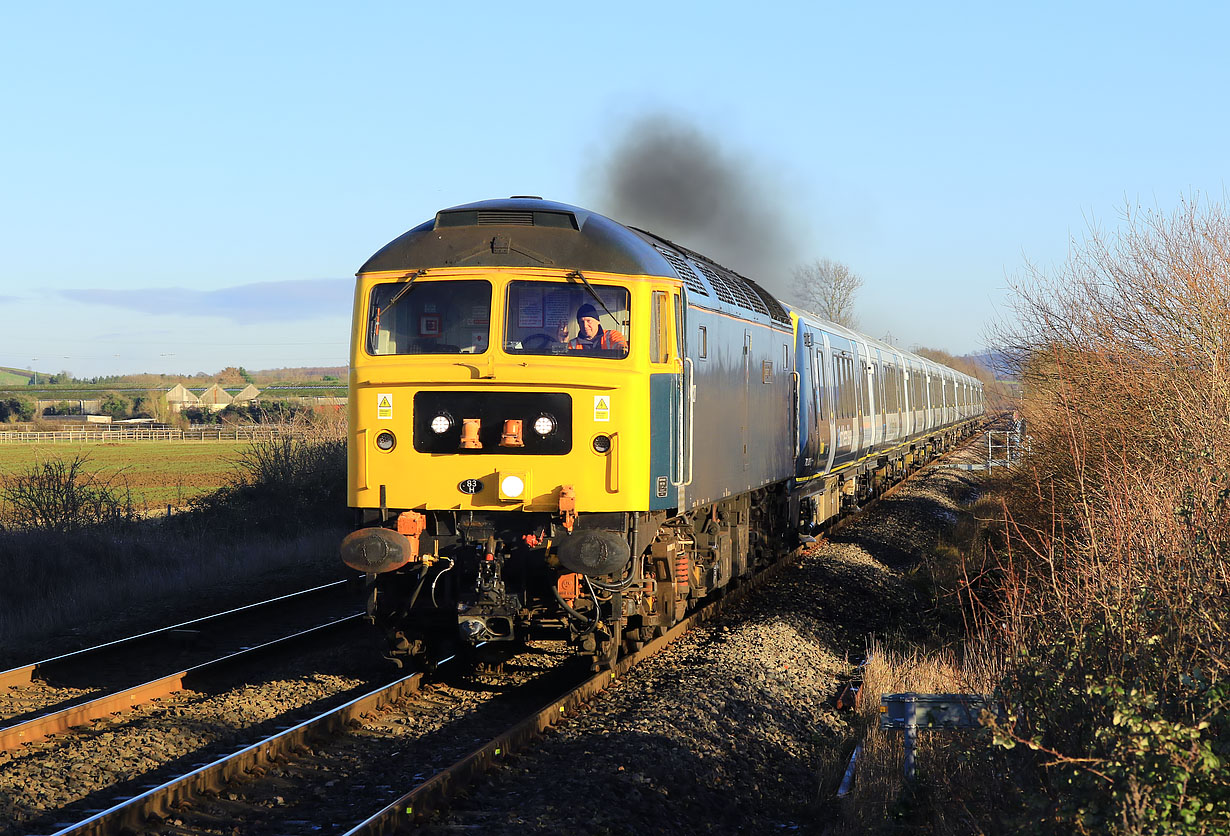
(295, 477)
(1113, 591)
(59, 495)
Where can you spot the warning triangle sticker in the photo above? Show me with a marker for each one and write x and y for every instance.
(385, 402)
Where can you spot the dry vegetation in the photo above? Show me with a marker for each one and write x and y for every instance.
(1094, 597)
(75, 552)
(1112, 591)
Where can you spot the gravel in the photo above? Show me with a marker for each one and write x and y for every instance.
(732, 729)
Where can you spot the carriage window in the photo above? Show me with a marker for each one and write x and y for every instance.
(429, 317)
(865, 386)
(565, 318)
(820, 384)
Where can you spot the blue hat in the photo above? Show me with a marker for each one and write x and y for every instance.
(586, 310)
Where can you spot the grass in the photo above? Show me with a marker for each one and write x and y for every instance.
(139, 579)
(955, 771)
(158, 473)
(12, 377)
(268, 519)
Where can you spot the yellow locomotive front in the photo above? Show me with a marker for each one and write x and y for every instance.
(494, 417)
(501, 450)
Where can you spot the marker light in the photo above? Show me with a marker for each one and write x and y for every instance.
(545, 425)
(512, 486)
(441, 424)
(602, 444)
(512, 433)
(386, 441)
(469, 433)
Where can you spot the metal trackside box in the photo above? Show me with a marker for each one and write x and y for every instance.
(934, 711)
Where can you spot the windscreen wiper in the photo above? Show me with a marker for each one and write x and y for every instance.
(577, 274)
(409, 277)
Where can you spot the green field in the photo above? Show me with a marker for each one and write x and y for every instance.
(159, 473)
(13, 377)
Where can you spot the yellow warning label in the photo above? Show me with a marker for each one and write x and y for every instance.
(384, 406)
(602, 407)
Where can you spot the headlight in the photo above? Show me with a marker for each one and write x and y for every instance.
(602, 444)
(386, 441)
(545, 425)
(441, 424)
(512, 486)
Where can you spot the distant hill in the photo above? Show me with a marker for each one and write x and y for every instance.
(15, 377)
(996, 361)
(302, 374)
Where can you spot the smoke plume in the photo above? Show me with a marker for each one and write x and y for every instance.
(671, 179)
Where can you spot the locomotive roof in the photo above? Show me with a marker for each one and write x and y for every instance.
(520, 232)
(532, 232)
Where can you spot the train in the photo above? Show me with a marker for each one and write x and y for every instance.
(563, 426)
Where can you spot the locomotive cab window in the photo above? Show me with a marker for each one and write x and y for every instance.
(567, 319)
(429, 317)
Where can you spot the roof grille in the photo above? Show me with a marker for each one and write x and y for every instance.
(506, 218)
(724, 290)
(684, 270)
(776, 310)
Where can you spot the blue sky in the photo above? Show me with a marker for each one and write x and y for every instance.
(186, 187)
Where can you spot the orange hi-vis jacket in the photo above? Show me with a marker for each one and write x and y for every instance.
(607, 339)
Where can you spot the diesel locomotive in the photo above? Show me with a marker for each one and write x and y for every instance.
(564, 426)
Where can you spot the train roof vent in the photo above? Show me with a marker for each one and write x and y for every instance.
(506, 217)
(724, 290)
(684, 270)
(776, 311)
(751, 298)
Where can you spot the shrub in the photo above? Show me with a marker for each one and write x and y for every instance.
(289, 480)
(115, 405)
(16, 408)
(58, 495)
(1112, 591)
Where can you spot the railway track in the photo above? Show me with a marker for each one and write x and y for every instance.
(51, 696)
(329, 772)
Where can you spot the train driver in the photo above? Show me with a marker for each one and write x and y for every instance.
(591, 335)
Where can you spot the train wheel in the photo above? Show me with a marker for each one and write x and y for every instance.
(608, 649)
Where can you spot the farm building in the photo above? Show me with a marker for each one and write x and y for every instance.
(247, 394)
(215, 398)
(179, 397)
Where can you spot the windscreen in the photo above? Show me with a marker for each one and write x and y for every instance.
(430, 317)
(567, 318)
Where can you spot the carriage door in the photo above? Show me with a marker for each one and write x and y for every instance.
(668, 456)
(747, 392)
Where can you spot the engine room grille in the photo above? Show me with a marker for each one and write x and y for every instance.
(684, 270)
(506, 218)
(776, 311)
(727, 290)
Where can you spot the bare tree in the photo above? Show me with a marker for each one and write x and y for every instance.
(827, 288)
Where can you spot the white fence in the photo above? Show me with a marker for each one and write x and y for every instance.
(219, 433)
